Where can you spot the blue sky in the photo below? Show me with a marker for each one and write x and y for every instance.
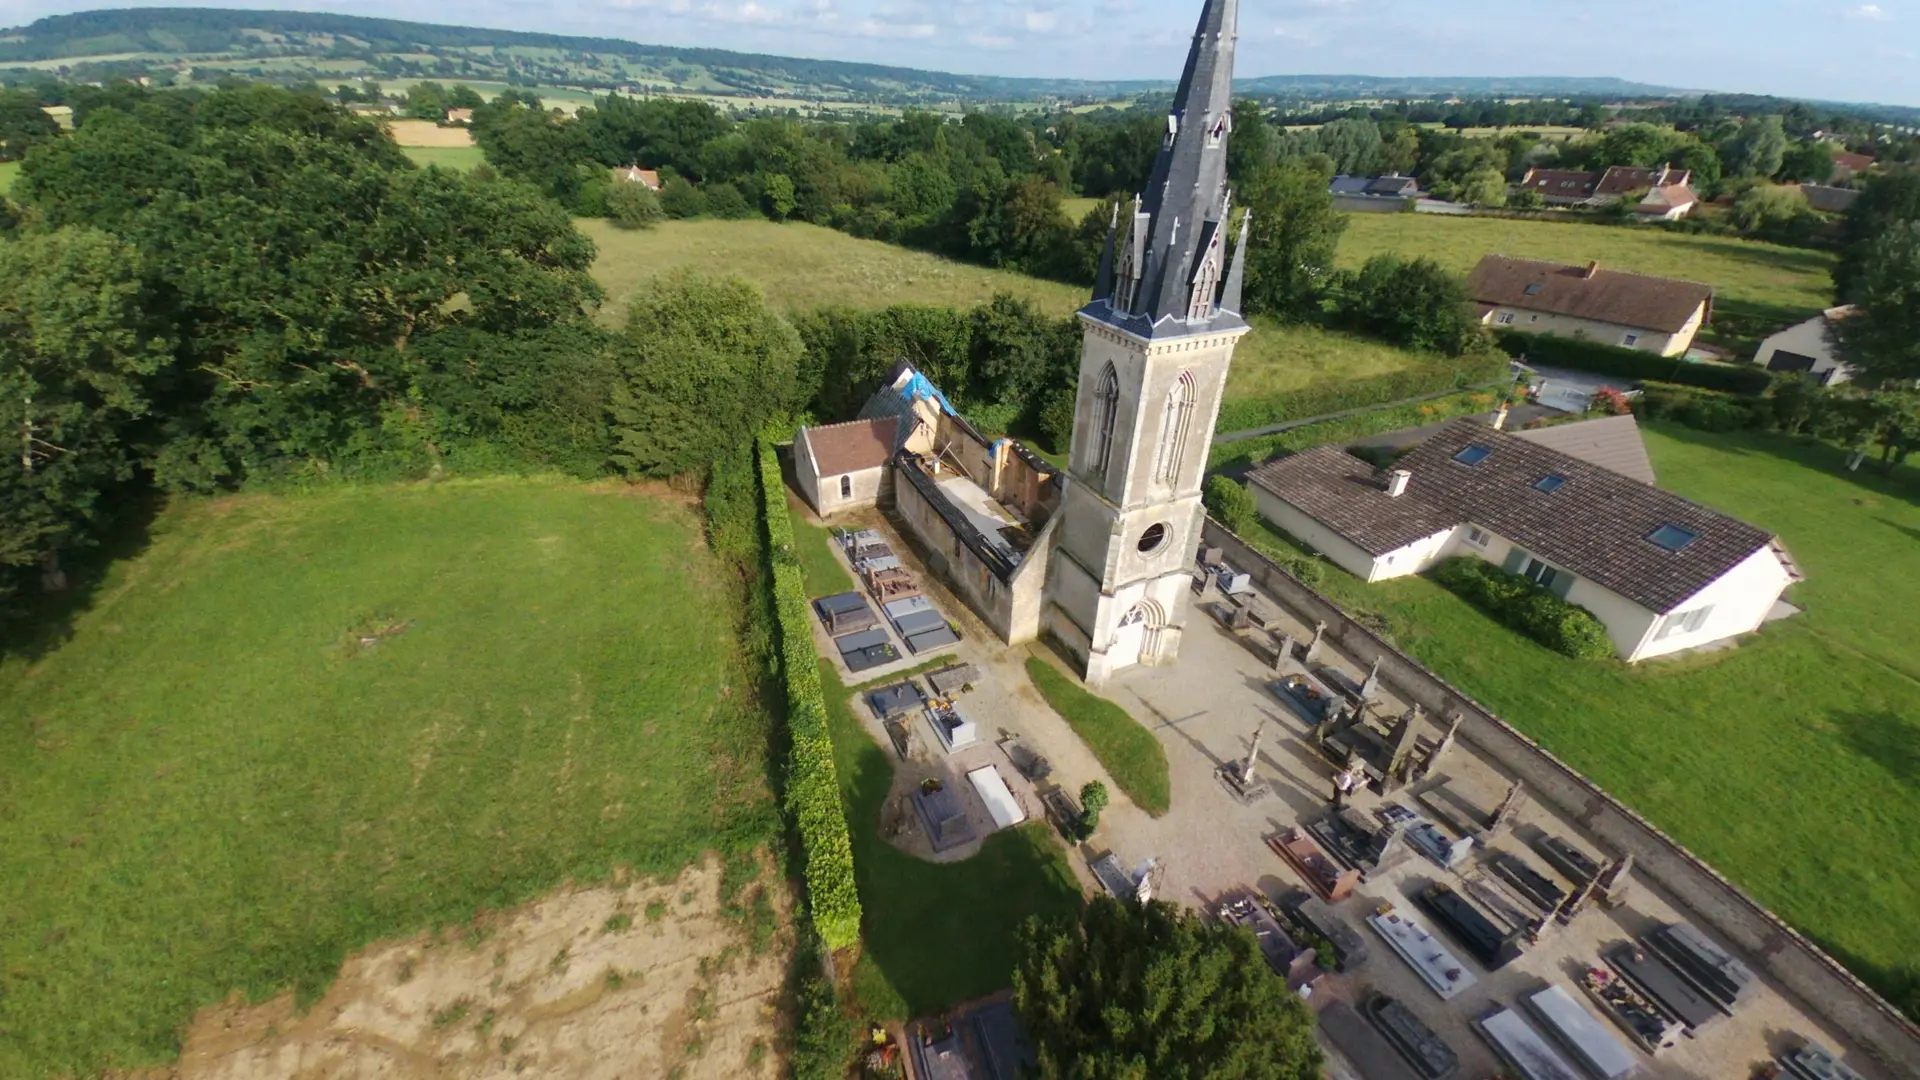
(1800, 48)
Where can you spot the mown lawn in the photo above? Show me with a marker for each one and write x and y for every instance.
(296, 725)
(1792, 763)
(1130, 754)
(451, 157)
(1274, 359)
(1751, 280)
(803, 266)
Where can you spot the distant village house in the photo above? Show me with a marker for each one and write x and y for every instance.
(1612, 307)
(1666, 192)
(1808, 348)
(634, 174)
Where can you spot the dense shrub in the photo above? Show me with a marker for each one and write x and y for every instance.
(1705, 410)
(1523, 606)
(813, 787)
(1412, 303)
(1230, 503)
(1432, 376)
(1581, 354)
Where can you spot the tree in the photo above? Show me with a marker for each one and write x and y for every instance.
(1416, 304)
(1882, 337)
(1757, 149)
(1641, 145)
(1252, 146)
(427, 101)
(1296, 232)
(633, 205)
(23, 124)
(680, 199)
(1889, 200)
(1796, 399)
(1768, 208)
(76, 369)
(702, 365)
(1130, 992)
(777, 196)
(1809, 162)
(1483, 187)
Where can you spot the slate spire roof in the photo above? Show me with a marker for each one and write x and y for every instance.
(1170, 276)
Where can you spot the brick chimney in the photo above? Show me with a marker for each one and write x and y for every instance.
(1592, 269)
(1500, 418)
(1397, 483)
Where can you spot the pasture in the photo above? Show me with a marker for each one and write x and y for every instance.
(292, 726)
(460, 158)
(1791, 763)
(1766, 285)
(9, 172)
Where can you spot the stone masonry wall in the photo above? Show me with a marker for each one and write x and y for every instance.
(1822, 984)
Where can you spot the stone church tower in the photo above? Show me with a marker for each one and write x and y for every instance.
(1159, 335)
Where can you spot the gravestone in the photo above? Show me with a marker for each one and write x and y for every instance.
(1313, 647)
(1446, 741)
(1509, 808)
(1286, 649)
(1400, 744)
(1370, 688)
(1613, 884)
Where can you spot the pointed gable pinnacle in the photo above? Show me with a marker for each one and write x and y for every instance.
(1236, 274)
(1103, 280)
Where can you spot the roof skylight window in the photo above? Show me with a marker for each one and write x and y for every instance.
(1534, 289)
(1549, 483)
(1473, 454)
(1672, 537)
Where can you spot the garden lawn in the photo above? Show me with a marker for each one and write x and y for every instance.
(461, 158)
(1130, 754)
(296, 725)
(1753, 281)
(1791, 763)
(1274, 358)
(803, 266)
(936, 934)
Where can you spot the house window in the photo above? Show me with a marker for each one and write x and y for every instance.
(1539, 573)
(846, 487)
(1175, 426)
(1684, 622)
(1549, 483)
(1672, 537)
(1106, 408)
(1473, 454)
(1629, 340)
(1506, 318)
(1534, 289)
(1533, 318)
(1477, 536)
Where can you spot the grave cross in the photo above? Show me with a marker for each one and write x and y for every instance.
(1313, 647)
(1612, 883)
(1370, 688)
(1253, 757)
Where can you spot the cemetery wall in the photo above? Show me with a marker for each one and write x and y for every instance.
(1822, 984)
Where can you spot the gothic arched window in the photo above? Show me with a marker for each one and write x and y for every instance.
(1175, 426)
(1206, 281)
(1106, 410)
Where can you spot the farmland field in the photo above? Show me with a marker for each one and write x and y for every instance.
(296, 725)
(1767, 283)
(451, 157)
(1791, 763)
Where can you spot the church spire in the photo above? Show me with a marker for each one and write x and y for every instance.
(1179, 216)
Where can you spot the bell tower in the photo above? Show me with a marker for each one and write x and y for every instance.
(1158, 337)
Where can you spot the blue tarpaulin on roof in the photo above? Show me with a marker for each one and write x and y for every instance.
(919, 386)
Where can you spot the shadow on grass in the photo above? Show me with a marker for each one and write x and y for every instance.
(1891, 740)
(936, 934)
(1894, 482)
(1899, 985)
(44, 621)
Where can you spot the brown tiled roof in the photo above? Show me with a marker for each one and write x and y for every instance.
(1611, 442)
(1609, 296)
(1856, 162)
(852, 446)
(1830, 200)
(1665, 198)
(1621, 179)
(1563, 182)
(1596, 523)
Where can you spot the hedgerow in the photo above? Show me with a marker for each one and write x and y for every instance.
(1631, 365)
(1523, 606)
(813, 788)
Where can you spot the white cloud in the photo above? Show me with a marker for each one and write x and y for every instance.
(1040, 22)
(1870, 12)
(874, 28)
(990, 41)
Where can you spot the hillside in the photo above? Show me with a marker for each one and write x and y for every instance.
(312, 45)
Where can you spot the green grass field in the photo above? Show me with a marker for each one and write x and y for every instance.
(296, 725)
(1792, 763)
(449, 157)
(1130, 754)
(803, 266)
(9, 172)
(936, 934)
(1274, 359)
(1751, 280)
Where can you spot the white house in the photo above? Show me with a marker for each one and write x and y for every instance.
(1808, 348)
(1662, 573)
(844, 466)
(1611, 307)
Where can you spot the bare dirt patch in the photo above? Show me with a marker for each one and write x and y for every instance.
(428, 133)
(650, 979)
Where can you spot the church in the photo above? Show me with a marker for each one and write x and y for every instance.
(1100, 555)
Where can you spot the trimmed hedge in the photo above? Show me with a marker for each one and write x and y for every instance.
(813, 788)
(1523, 606)
(1705, 410)
(1581, 354)
(1434, 375)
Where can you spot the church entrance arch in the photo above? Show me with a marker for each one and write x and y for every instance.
(1136, 638)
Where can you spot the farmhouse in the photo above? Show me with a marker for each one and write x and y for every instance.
(1099, 554)
(1612, 307)
(634, 174)
(1373, 194)
(1808, 348)
(1662, 573)
(1669, 194)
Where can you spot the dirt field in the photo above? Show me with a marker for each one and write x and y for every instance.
(645, 979)
(428, 133)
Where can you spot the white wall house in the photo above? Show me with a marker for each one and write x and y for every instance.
(1661, 573)
(1808, 348)
(1610, 307)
